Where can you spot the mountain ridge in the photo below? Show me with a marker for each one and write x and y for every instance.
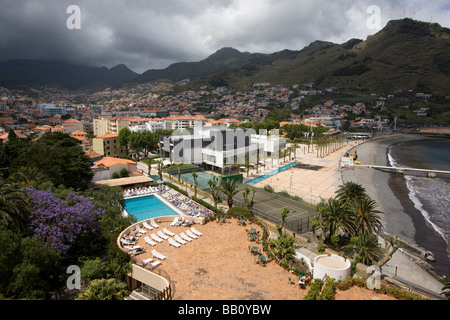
(406, 54)
(25, 73)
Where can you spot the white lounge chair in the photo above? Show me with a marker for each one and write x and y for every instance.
(156, 238)
(195, 231)
(132, 248)
(191, 235)
(178, 239)
(158, 255)
(169, 233)
(185, 237)
(174, 243)
(147, 261)
(162, 235)
(153, 265)
(147, 226)
(153, 223)
(138, 229)
(149, 241)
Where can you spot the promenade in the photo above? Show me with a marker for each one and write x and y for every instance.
(314, 179)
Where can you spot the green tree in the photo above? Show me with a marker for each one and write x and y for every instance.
(249, 200)
(214, 186)
(337, 217)
(284, 215)
(230, 189)
(105, 289)
(283, 248)
(368, 249)
(38, 273)
(124, 173)
(350, 192)
(124, 139)
(367, 218)
(59, 157)
(13, 207)
(195, 176)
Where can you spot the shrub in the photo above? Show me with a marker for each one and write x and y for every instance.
(329, 290)
(124, 173)
(314, 290)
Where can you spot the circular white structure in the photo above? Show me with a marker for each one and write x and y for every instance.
(336, 267)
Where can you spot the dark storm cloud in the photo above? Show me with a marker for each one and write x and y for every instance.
(146, 34)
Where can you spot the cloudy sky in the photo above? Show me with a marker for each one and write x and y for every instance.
(152, 34)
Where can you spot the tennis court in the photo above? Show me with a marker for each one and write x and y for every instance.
(270, 205)
(202, 179)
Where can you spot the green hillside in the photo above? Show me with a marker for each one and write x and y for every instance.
(405, 55)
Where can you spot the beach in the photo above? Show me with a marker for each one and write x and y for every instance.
(400, 217)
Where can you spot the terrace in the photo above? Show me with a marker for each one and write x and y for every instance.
(219, 265)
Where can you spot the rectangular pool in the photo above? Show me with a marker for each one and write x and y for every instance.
(267, 176)
(144, 208)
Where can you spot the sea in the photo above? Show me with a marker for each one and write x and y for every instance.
(426, 200)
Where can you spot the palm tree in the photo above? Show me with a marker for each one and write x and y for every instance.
(369, 250)
(26, 176)
(367, 219)
(284, 215)
(283, 248)
(13, 206)
(230, 188)
(336, 215)
(195, 176)
(105, 289)
(350, 192)
(214, 186)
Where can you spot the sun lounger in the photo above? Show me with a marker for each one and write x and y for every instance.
(174, 243)
(132, 248)
(162, 235)
(147, 226)
(158, 255)
(156, 238)
(185, 237)
(195, 231)
(127, 242)
(153, 223)
(138, 229)
(149, 241)
(191, 235)
(178, 239)
(146, 261)
(169, 233)
(153, 265)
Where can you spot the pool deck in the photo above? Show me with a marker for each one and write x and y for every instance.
(322, 180)
(219, 266)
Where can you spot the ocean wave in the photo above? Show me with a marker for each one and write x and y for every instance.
(412, 194)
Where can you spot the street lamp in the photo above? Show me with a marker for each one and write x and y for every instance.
(290, 183)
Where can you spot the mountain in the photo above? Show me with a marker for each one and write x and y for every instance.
(28, 73)
(223, 61)
(406, 54)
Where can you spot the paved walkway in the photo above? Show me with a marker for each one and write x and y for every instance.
(319, 177)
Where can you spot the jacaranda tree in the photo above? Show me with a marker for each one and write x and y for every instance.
(59, 223)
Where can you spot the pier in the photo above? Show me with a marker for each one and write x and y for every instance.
(430, 173)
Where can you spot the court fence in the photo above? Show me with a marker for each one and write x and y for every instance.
(298, 226)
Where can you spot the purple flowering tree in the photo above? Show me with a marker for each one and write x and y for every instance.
(58, 223)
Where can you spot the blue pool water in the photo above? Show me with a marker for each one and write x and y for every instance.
(144, 208)
(266, 176)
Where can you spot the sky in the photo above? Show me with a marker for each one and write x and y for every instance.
(152, 34)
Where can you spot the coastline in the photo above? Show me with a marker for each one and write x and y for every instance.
(400, 216)
(396, 220)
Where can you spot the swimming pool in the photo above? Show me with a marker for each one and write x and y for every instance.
(144, 208)
(266, 176)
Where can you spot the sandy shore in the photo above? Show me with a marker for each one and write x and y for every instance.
(396, 220)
